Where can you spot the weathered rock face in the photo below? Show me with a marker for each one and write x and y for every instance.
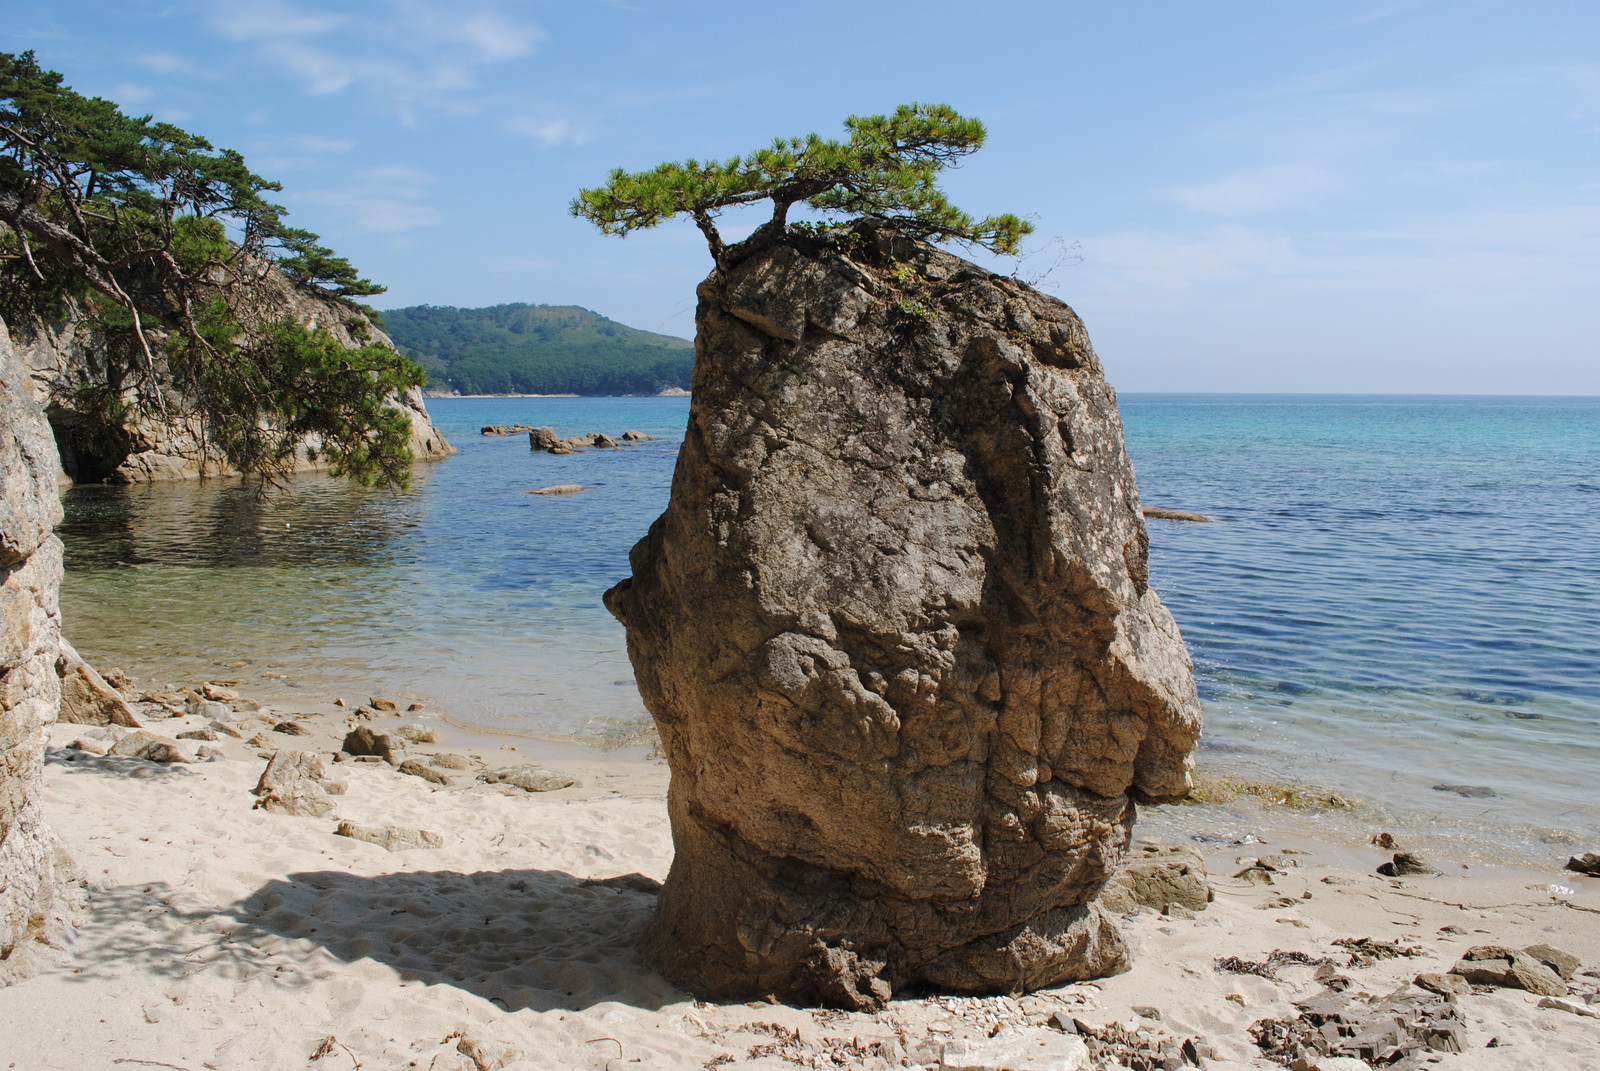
(37, 891)
(895, 631)
(63, 356)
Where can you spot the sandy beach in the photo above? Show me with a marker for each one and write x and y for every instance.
(221, 936)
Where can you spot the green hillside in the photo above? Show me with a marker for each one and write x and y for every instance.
(537, 349)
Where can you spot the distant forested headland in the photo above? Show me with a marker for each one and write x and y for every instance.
(537, 349)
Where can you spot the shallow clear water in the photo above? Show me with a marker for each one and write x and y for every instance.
(1398, 592)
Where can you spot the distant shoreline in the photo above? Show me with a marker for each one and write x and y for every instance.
(447, 397)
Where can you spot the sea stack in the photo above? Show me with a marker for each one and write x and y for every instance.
(896, 633)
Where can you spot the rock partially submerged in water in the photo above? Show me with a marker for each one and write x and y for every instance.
(896, 632)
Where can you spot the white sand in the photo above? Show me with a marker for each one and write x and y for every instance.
(224, 937)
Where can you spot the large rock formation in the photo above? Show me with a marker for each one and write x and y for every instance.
(63, 356)
(38, 893)
(896, 632)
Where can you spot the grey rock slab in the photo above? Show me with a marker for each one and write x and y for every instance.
(529, 778)
(294, 782)
(140, 744)
(422, 770)
(391, 838)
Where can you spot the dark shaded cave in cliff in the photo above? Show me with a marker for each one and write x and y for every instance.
(92, 449)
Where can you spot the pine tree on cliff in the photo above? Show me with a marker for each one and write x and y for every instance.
(886, 172)
(173, 247)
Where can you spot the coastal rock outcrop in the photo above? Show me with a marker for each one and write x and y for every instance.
(39, 891)
(896, 631)
(64, 356)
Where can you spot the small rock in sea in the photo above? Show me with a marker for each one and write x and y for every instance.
(391, 838)
(1405, 863)
(637, 437)
(529, 778)
(362, 741)
(1471, 792)
(1587, 863)
(417, 769)
(291, 728)
(559, 489)
(386, 706)
(415, 734)
(1162, 513)
(605, 442)
(450, 761)
(543, 439)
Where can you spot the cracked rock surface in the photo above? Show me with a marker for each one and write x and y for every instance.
(896, 633)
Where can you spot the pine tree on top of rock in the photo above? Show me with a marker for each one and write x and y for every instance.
(886, 172)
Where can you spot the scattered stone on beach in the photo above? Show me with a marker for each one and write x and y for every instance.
(1505, 968)
(338, 701)
(487, 1054)
(1398, 1029)
(1159, 877)
(1471, 792)
(391, 838)
(87, 698)
(1587, 863)
(450, 761)
(219, 693)
(264, 742)
(559, 489)
(529, 778)
(206, 753)
(1162, 513)
(1563, 963)
(140, 744)
(294, 782)
(207, 733)
(362, 741)
(383, 706)
(415, 734)
(90, 745)
(413, 708)
(1404, 864)
(290, 727)
(1435, 982)
(422, 770)
(1572, 1007)
(210, 709)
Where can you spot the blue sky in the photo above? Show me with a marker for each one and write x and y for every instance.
(1258, 196)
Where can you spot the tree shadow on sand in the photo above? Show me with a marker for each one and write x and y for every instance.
(522, 939)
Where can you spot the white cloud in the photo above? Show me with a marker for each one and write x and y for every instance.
(549, 131)
(1262, 189)
(389, 199)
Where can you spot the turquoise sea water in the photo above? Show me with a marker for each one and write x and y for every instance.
(1398, 593)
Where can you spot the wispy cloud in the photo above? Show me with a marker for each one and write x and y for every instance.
(410, 53)
(389, 200)
(550, 132)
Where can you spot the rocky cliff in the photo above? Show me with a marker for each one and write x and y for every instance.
(896, 632)
(65, 355)
(38, 891)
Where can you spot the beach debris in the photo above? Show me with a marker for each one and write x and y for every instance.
(529, 778)
(1013, 1048)
(1160, 877)
(1587, 863)
(383, 706)
(391, 838)
(1382, 1031)
(1162, 513)
(294, 782)
(1471, 792)
(1403, 864)
(559, 489)
(415, 734)
(487, 1054)
(1268, 968)
(86, 697)
(366, 741)
(422, 770)
(1365, 951)
(141, 744)
(1505, 968)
